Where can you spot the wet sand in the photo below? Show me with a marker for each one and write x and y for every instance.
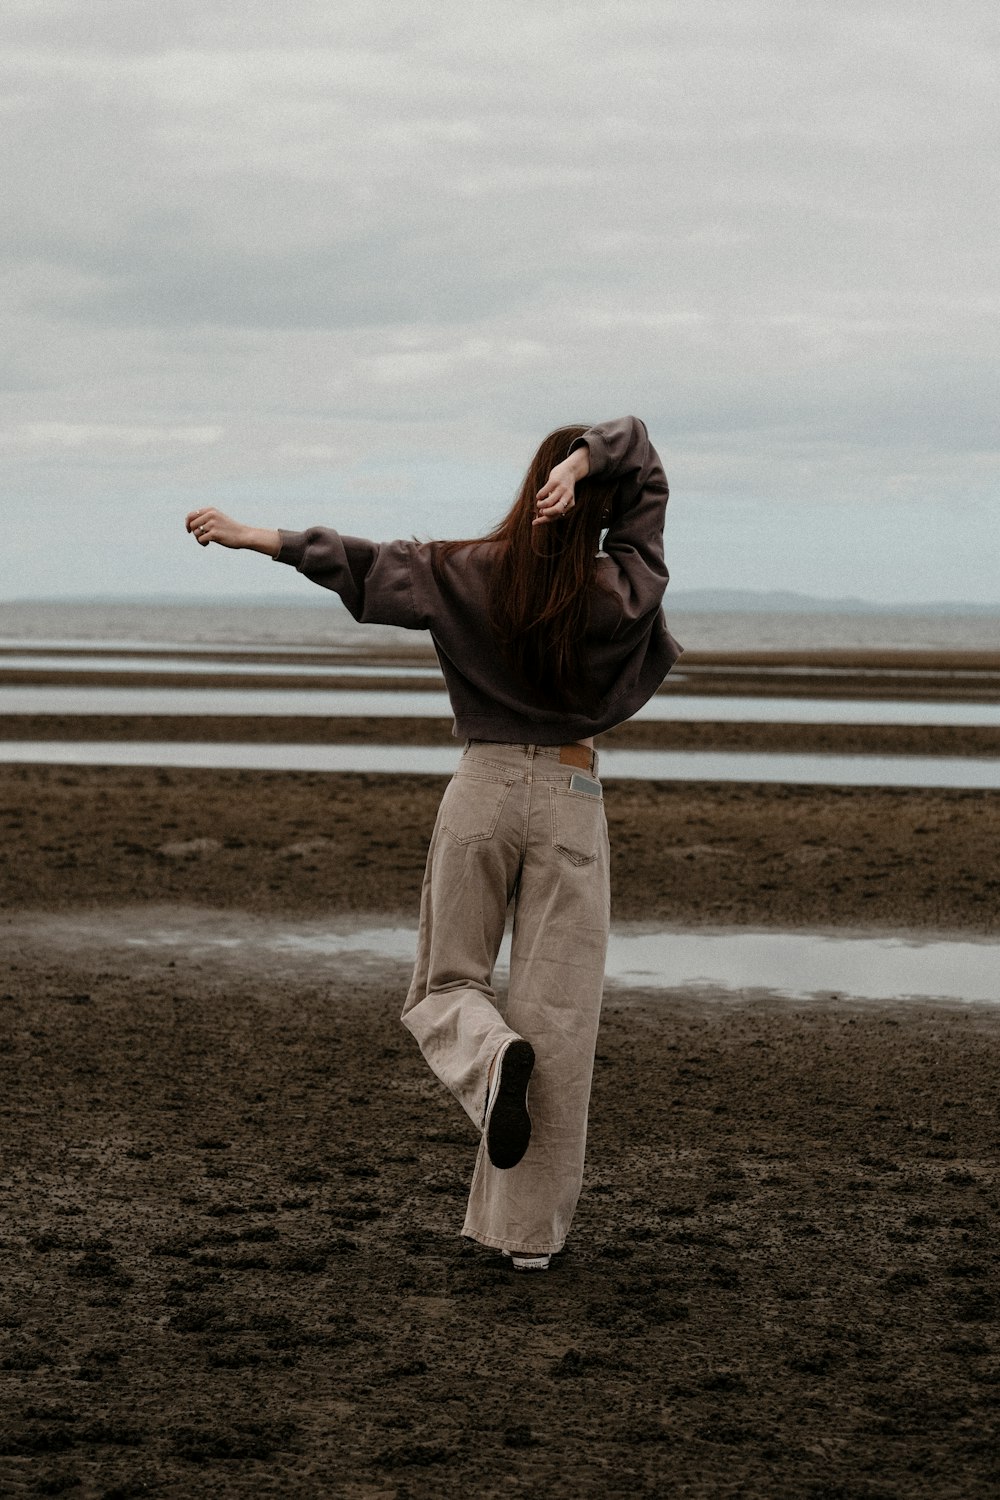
(691, 853)
(230, 1261)
(231, 1192)
(829, 739)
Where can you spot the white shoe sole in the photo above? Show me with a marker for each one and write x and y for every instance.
(529, 1262)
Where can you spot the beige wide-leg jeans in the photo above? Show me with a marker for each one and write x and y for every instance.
(517, 825)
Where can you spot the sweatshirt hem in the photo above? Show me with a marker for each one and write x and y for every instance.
(526, 732)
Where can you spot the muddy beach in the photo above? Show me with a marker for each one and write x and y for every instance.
(231, 1192)
(682, 853)
(231, 1262)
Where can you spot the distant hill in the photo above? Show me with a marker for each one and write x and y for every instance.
(781, 602)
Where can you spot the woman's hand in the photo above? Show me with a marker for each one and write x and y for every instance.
(557, 496)
(211, 525)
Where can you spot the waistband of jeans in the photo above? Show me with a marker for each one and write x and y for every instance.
(517, 755)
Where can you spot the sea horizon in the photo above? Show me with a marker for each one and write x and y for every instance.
(319, 619)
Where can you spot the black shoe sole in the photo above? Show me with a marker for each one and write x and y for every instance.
(508, 1125)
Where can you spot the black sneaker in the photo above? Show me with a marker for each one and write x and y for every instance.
(506, 1123)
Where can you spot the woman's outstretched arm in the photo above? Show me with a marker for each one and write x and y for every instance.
(373, 579)
(211, 525)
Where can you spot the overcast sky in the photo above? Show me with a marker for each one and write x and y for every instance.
(347, 262)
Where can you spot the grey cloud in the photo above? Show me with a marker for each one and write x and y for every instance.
(767, 224)
(174, 279)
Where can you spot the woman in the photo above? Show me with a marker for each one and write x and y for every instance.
(544, 640)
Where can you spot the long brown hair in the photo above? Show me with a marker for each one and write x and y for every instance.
(542, 580)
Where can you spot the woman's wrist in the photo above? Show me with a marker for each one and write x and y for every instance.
(580, 459)
(261, 539)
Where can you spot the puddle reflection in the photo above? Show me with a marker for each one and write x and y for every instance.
(792, 965)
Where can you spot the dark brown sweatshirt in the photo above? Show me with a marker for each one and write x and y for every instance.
(628, 649)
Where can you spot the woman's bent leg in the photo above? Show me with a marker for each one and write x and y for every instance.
(556, 983)
(471, 871)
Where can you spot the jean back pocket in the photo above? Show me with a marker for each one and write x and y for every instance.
(471, 807)
(577, 821)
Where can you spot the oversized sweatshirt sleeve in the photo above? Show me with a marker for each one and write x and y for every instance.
(374, 579)
(621, 451)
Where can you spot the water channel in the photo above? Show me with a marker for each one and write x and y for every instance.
(664, 707)
(440, 760)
